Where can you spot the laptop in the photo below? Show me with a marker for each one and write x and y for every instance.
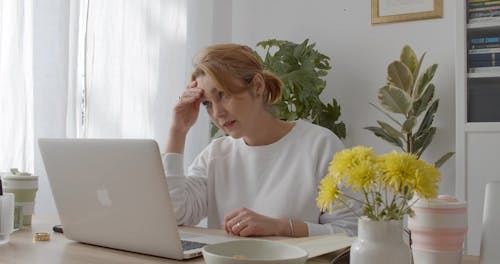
(114, 193)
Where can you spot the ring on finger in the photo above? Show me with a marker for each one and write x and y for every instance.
(238, 224)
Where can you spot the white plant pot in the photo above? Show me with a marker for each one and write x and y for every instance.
(379, 242)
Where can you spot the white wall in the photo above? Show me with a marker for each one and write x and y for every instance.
(360, 53)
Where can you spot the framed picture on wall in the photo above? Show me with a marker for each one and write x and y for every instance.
(389, 11)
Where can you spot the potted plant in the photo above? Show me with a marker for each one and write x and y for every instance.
(409, 94)
(302, 68)
(389, 184)
(386, 185)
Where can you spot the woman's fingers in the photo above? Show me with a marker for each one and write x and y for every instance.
(187, 107)
(192, 85)
(191, 95)
(244, 222)
(230, 220)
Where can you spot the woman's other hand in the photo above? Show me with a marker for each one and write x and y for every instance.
(187, 108)
(244, 222)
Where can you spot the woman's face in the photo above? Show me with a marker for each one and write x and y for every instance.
(236, 115)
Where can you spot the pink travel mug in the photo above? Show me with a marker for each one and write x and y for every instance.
(438, 230)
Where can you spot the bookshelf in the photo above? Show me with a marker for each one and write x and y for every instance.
(477, 97)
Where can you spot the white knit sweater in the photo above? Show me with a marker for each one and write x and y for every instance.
(278, 180)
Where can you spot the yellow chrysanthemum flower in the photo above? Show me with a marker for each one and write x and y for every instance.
(328, 194)
(361, 176)
(426, 180)
(357, 164)
(398, 170)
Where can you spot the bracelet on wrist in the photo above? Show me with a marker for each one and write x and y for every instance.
(292, 233)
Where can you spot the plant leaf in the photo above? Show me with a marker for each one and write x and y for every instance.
(215, 132)
(394, 100)
(417, 70)
(390, 130)
(427, 139)
(328, 116)
(443, 159)
(385, 113)
(409, 58)
(428, 118)
(424, 80)
(299, 50)
(409, 124)
(400, 76)
(379, 132)
(421, 104)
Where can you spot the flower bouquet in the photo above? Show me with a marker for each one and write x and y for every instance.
(386, 185)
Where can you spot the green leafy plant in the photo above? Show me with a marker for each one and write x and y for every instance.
(409, 94)
(302, 68)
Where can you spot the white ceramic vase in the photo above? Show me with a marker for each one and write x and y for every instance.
(380, 242)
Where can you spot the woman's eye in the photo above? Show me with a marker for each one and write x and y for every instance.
(221, 95)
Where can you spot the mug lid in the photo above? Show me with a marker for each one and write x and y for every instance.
(442, 201)
(10, 176)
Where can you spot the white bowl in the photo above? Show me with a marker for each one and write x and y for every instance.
(251, 251)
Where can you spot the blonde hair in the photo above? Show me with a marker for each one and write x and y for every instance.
(233, 67)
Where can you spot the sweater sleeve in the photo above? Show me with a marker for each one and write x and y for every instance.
(188, 194)
(342, 219)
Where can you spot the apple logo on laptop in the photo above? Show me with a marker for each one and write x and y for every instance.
(103, 197)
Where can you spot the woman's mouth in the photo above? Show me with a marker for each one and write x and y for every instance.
(229, 124)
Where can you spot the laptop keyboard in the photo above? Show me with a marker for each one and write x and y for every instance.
(188, 245)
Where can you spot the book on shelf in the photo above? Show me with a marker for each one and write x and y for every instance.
(481, 51)
(488, 19)
(488, 13)
(483, 60)
(492, 56)
(486, 8)
(478, 1)
(483, 4)
(495, 69)
(485, 40)
(483, 64)
(485, 46)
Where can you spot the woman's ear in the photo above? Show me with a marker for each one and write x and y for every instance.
(259, 84)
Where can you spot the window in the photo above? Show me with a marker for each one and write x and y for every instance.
(130, 67)
(16, 86)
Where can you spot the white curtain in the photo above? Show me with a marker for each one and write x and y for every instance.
(127, 67)
(16, 85)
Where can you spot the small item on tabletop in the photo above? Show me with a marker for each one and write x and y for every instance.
(58, 229)
(41, 236)
(6, 215)
(24, 186)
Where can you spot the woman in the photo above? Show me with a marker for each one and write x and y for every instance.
(261, 179)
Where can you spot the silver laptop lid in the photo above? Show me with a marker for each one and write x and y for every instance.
(112, 193)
